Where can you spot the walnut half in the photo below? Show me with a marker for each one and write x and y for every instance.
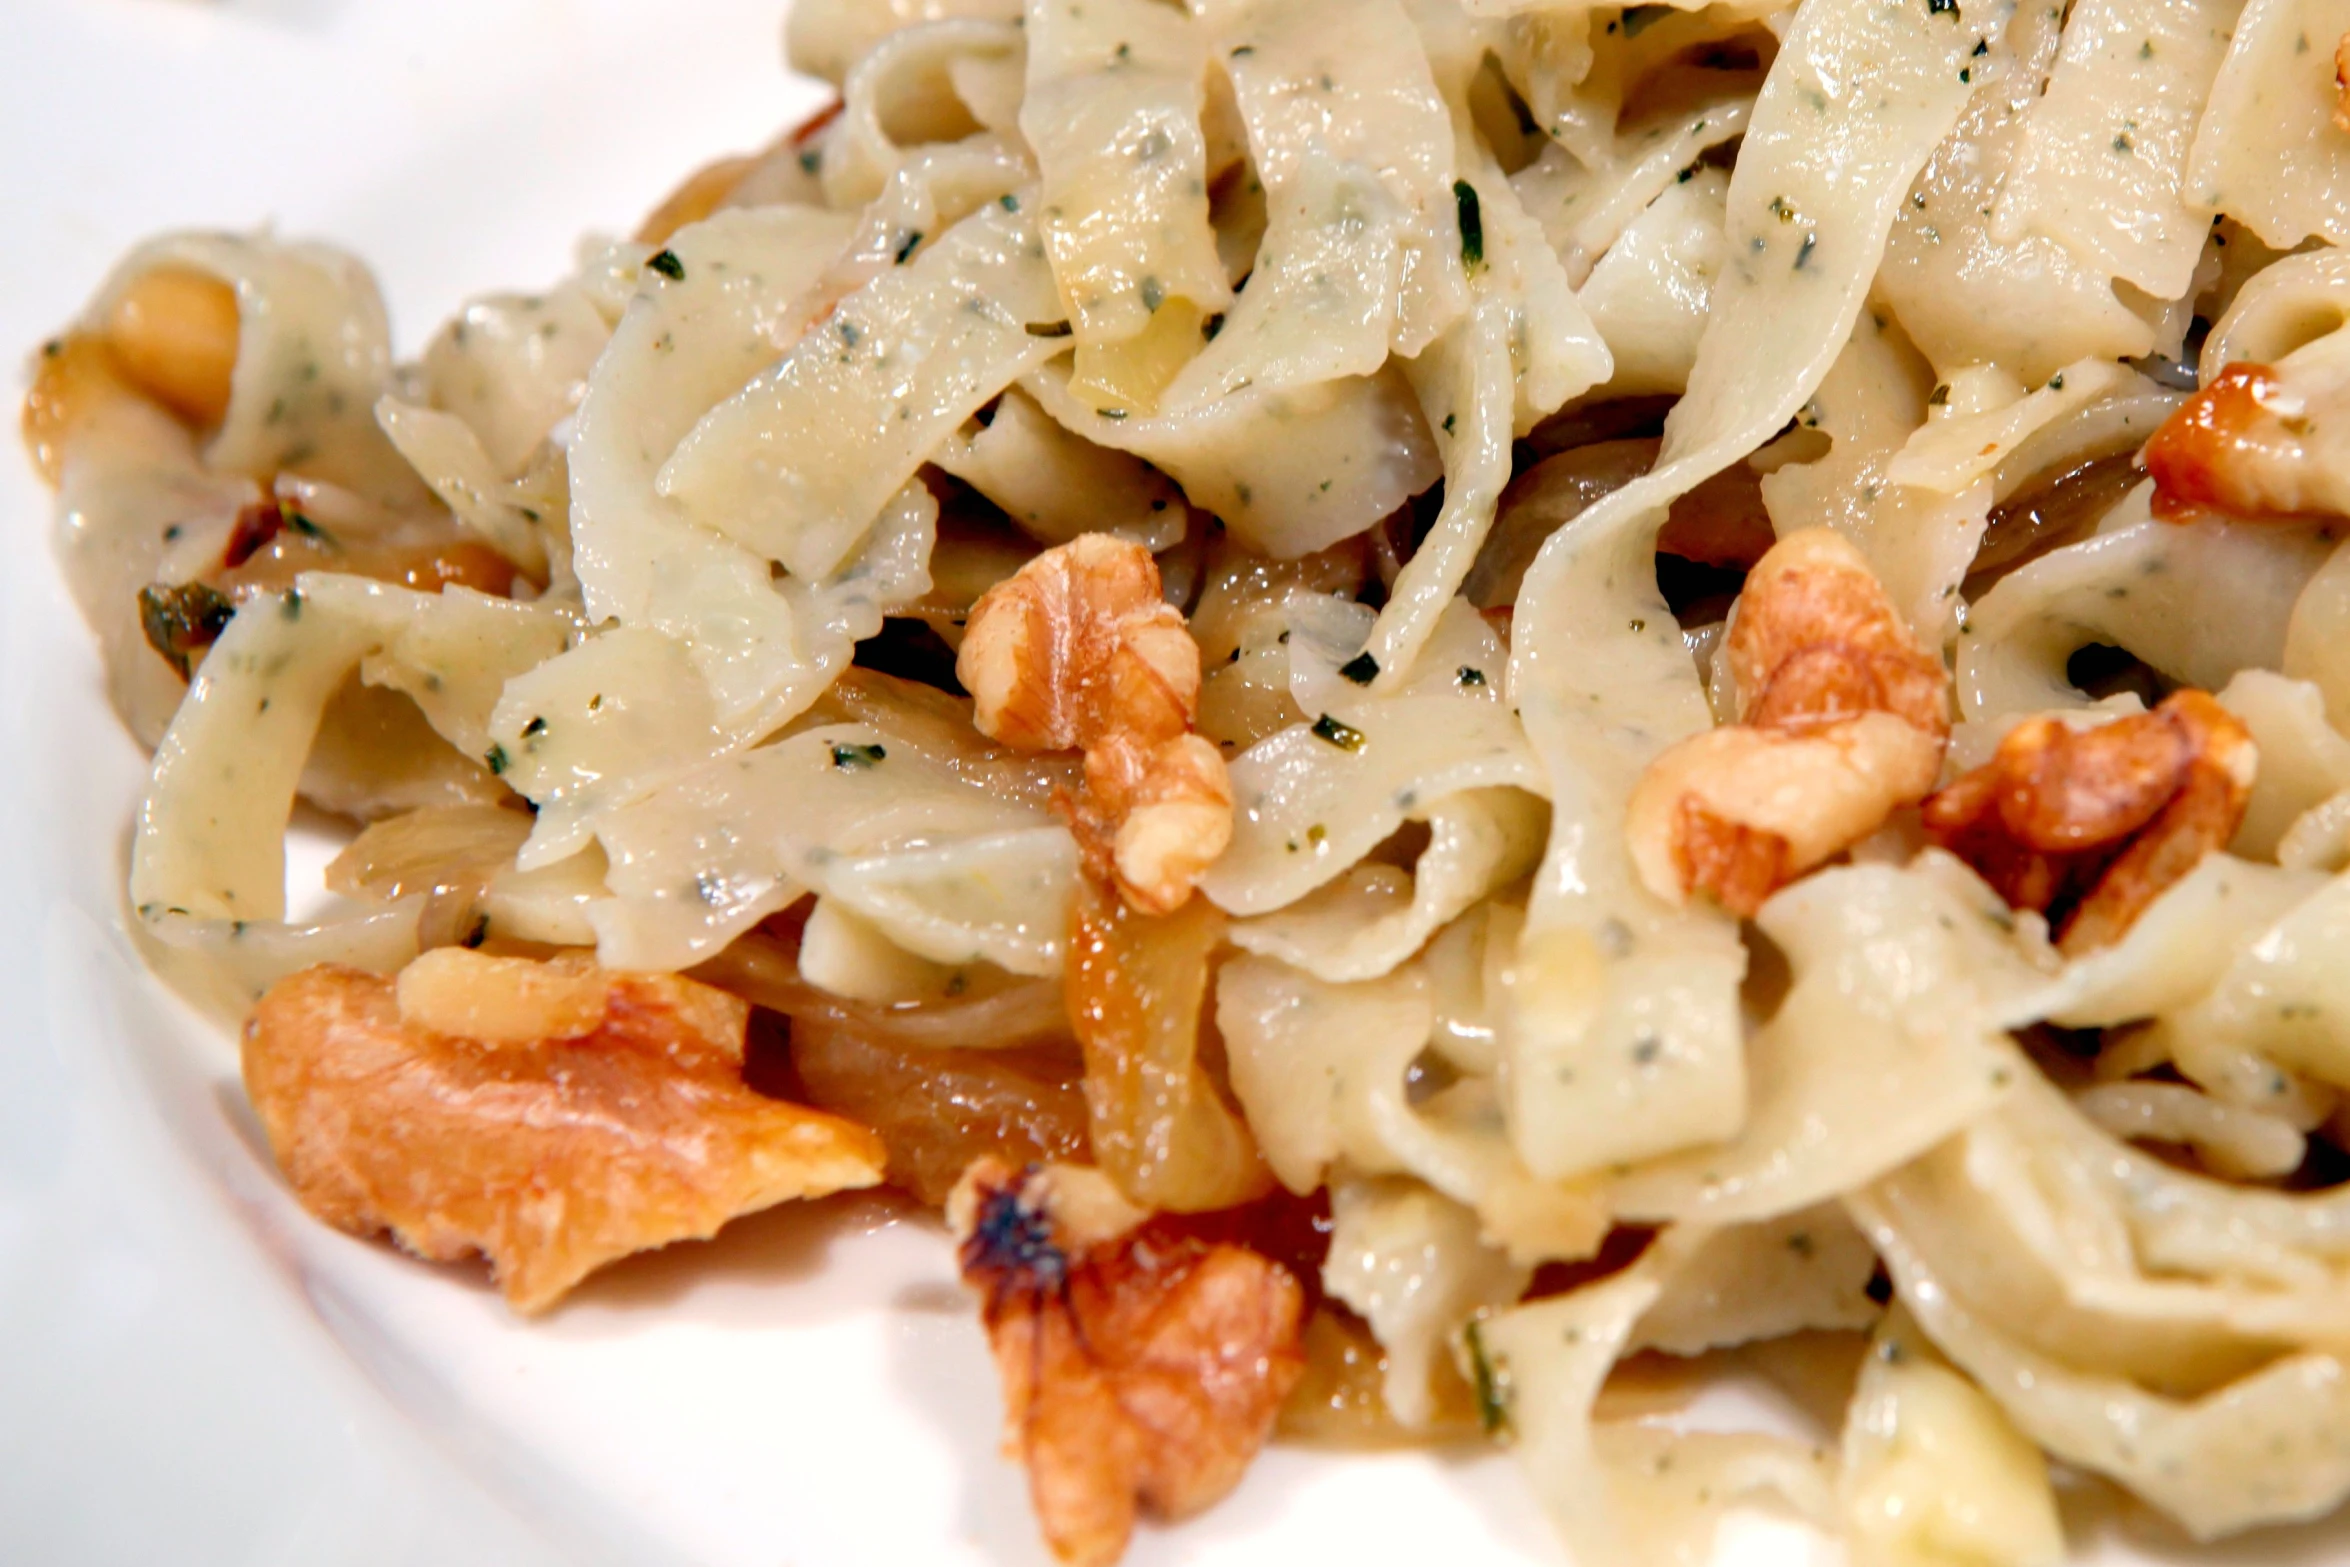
(1077, 649)
(1142, 1367)
(2089, 826)
(553, 1117)
(1842, 718)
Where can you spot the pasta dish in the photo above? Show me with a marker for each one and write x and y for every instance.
(1454, 715)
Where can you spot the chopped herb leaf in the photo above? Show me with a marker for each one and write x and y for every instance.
(1344, 736)
(496, 759)
(1362, 669)
(1152, 293)
(857, 758)
(536, 727)
(1470, 675)
(1803, 251)
(290, 604)
(1008, 203)
(180, 619)
(1493, 1399)
(666, 263)
(1464, 196)
(912, 242)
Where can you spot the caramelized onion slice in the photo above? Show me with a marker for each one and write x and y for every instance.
(937, 1111)
(1161, 1126)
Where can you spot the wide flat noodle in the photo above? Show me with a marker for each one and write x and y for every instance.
(1322, 1072)
(1288, 472)
(1376, 916)
(2227, 1436)
(2102, 164)
(799, 464)
(1966, 292)
(1858, 97)
(1115, 93)
(2199, 602)
(1412, 1265)
(313, 354)
(2268, 153)
(1650, 294)
(1354, 147)
(1891, 1038)
(944, 867)
(1313, 799)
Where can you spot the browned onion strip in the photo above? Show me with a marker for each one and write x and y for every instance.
(1137, 986)
(937, 1111)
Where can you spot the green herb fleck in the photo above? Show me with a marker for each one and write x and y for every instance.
(181, 619)
(857, 758)
(1152, 293)
(1362, 669)
(1464, 196)
(666, 263)
(497, 760)
(1488, 1381)
(906, 249)
(290, 604)
(535, 728)
(1470, 675)
(1344, 736)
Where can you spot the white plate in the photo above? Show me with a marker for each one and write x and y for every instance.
(193, 1371)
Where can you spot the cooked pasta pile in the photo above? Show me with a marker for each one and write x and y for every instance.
(1447, 709)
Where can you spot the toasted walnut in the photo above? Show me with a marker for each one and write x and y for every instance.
(1077, 649)
(1842, 718)
(2089, 826)
(2257, 441)
(553, 1117)
(1142, 1367)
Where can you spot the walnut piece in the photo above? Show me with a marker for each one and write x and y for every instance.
(1077, 649)
(1142, 1367)
(1842, 718)
(577, 1115)
(2258, 441)
(2089, 826)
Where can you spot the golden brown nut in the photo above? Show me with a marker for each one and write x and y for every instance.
(623, 1126)
(1842, 718)
(2258, 441)
(1077, 649)
(1142, 1367)
(2089, 826)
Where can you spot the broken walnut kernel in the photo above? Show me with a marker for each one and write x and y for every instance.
(1077, 649)
(2089, 826)
(1142, 1366)
(1842, 718)
(553, 1117)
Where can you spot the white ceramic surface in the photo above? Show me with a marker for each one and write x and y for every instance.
(190, 1371)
